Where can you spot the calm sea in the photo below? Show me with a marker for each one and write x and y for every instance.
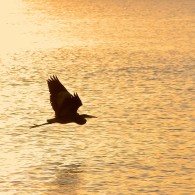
(132, 64)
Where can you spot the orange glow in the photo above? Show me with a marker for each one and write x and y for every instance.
(131, 64)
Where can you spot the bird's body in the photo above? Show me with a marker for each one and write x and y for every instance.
(64, 104)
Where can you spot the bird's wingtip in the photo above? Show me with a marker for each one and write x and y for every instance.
(52, 78)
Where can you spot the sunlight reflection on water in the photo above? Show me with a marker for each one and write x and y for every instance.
(138, 82)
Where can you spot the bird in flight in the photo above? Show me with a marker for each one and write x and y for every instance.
(64, 104)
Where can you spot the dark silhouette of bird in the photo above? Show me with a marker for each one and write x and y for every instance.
(64, 104)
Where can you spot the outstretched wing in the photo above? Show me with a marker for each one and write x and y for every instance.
(62, 102)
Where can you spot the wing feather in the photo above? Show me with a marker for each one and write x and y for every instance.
(62, 102)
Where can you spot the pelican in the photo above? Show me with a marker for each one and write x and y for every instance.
(64, 104)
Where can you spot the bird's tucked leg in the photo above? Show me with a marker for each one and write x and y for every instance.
(39, 125)
(49, 121)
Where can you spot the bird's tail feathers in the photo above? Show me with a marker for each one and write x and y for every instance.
(52, 120)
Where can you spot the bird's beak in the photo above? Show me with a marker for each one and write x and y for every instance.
(88, 116)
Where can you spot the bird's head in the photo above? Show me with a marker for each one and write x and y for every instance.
(80, 120)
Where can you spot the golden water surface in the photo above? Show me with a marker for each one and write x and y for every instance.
(132, 64)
